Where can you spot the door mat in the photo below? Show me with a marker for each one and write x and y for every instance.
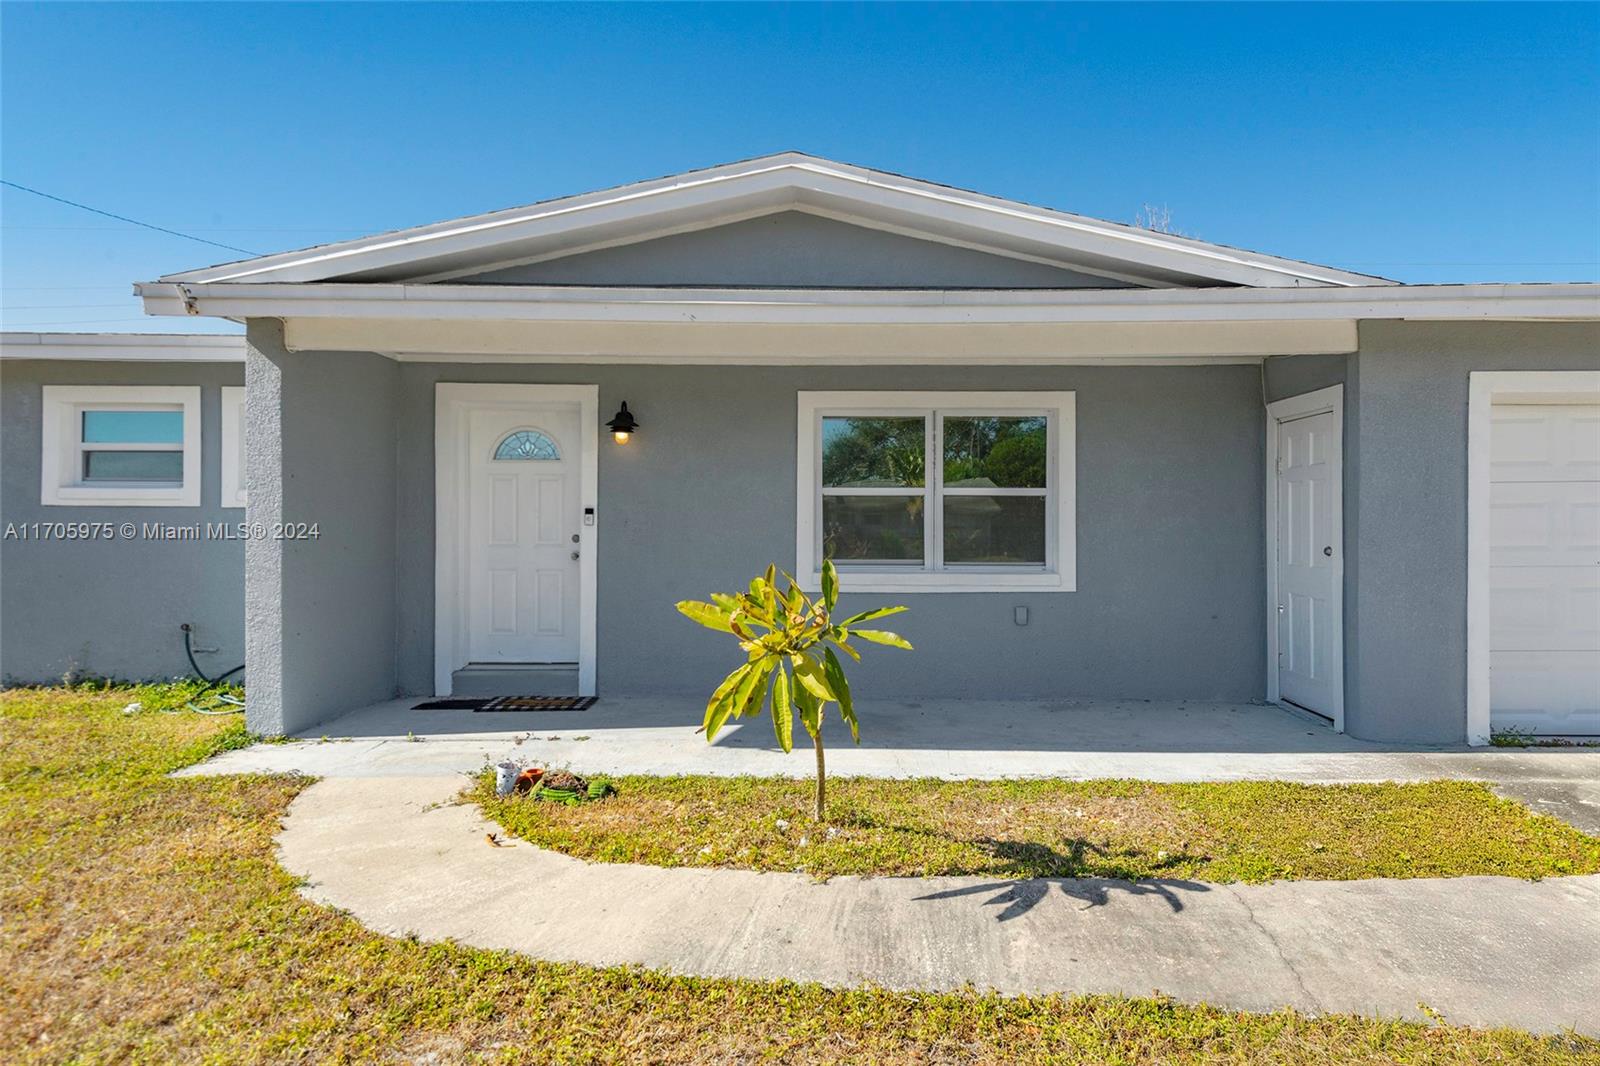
(539, 703)
(510, 703)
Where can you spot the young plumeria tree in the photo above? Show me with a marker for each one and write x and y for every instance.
(786, 637)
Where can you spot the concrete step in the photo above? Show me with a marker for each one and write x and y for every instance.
(515, 679)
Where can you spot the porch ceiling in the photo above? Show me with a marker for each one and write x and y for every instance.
(756, 343)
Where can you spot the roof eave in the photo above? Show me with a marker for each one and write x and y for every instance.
(774, 181)
(1579, 301)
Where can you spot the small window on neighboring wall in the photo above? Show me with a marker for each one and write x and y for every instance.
(527, 444)
(233, 494)
(120, 446)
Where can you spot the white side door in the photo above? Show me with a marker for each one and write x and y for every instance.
(1544, 568)
(1310, 597)
(522, 535)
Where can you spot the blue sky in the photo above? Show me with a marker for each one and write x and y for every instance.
(1427, 143)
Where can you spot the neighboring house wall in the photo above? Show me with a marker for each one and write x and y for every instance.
(1171, 588)
(1406, 535)
(112, 608)
(793, 249)
(321, 610)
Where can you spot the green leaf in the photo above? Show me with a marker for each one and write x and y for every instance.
(746, 699)
(757, 610)
(729, 683)
(830, 584)
(841, 691)
(811, 677)
(771, 576)
(717, 715)
(850, 720)
(782, 710)
(882, 636)
(876, 612)
(726, 602)
(810, 711)
(833, 635)
(708, 615)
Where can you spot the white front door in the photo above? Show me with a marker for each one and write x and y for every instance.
(1309, 600)
(523, 526)
(1544, 568)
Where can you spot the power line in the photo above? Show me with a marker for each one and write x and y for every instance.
(124, 218)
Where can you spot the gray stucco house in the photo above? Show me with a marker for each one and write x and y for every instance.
(1095, 460)
(82, 592)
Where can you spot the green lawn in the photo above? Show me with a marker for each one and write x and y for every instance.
(1234, 831)
(146, 921)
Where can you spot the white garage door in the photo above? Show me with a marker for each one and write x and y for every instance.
(1544, 577)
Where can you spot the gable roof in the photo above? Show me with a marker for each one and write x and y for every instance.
(788, 181)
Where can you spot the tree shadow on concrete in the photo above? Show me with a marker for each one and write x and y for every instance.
(1019, 897)
(1029, 859)
(1081, 858)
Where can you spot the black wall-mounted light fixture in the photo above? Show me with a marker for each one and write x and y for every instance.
(622, 427)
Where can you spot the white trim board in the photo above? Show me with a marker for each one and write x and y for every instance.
(452, 402)
(846, 217)
(1060, 572)
(776, 182)
(1485, 389)
(1330, 399)
(124, 347)
(559, 303)
(233, 492)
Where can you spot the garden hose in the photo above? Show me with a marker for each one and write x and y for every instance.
(188, 649)
(220, 702)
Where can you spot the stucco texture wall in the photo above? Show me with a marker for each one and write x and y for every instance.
(1406, 535)
(1170, 543)
(321, 609)
(113, 608)
(1283, 376)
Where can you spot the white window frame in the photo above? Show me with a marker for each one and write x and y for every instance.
(233, 493)
(61, 482)
(1058, 574)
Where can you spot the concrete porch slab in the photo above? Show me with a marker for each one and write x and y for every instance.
(1155, 740)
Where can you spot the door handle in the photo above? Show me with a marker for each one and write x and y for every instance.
(1328, 551)
(574, 555)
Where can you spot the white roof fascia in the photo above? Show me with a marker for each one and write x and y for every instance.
(124, 347)
(772, 183)
(1579, 301)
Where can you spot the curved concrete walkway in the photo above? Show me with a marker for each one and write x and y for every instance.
(401, 857)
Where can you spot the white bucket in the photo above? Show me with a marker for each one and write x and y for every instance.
(505, 778)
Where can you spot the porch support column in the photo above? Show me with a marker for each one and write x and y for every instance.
(320, 558)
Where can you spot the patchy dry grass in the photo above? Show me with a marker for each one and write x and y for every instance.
(146, 921)
(1235, 831)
